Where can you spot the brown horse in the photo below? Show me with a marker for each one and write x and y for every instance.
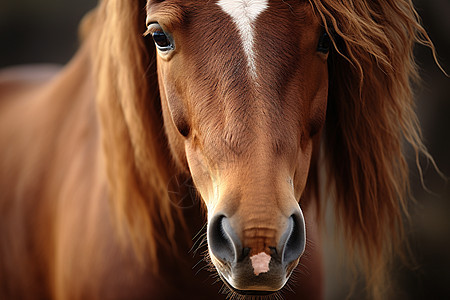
(251, 99)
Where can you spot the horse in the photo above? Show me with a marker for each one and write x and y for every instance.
(271, 109)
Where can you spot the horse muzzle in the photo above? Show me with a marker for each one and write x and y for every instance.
(255, 260)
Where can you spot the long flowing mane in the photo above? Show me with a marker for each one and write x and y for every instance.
(370, 115)
(132, 127)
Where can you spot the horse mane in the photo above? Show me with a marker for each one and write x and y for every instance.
(370, 115)
(137, 164)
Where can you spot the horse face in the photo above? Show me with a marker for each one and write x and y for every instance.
(243, 87)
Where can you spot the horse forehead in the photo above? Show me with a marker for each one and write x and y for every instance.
(243, 10)
(244, 14)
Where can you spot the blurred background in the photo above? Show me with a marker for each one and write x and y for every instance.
(45, 31)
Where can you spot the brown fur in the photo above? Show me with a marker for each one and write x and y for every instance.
(89, 156)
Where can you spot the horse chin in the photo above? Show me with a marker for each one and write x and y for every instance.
(246, 292)
(246, 284)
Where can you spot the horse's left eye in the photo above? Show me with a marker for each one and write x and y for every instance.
(162, 40)
(324, 43)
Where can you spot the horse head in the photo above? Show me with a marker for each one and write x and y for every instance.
(243, 87)
(246, 87)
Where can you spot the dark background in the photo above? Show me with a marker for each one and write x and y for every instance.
(45, 31)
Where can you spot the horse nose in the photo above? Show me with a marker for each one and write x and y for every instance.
(223, 241)
(225, 244)
(264, 259)
(293, 241)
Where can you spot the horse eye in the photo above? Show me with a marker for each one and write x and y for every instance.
(162, 40)
(324, 43)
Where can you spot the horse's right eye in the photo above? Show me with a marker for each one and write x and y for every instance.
(162, 40)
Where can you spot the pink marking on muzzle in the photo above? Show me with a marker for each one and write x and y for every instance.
(260, 263)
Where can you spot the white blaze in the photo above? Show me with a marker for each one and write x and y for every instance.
(244, 14)
(260, 263)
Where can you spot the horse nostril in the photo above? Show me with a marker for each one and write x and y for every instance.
(223, 241)
(295, 238)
